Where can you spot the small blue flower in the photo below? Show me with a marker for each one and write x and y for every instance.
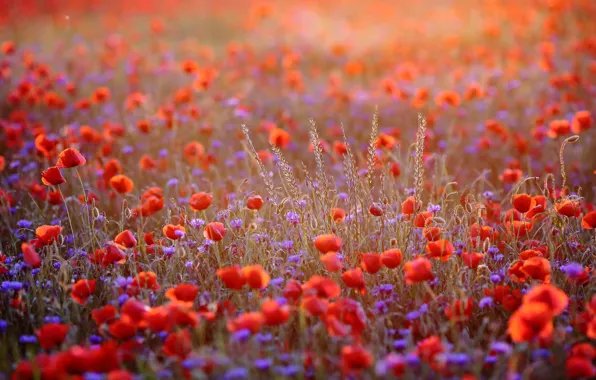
(412, 360)
(501, 348)
(197, 223)
(573, 270)
(292, 217)
(51, 319)
(400, 344)
(263, 364)
(23, 223)
(241, 335)
(485, 302)
(236, 223)
(236, 373)
(191, 363)
(28, 339)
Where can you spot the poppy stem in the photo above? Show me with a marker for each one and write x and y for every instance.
(430, 291)
(72, 231)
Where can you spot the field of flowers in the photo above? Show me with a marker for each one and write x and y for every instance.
(297, 189)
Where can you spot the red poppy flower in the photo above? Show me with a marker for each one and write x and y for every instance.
(48, 234)
(214, 231)
(410, 206)
(119, 374)
(345, 316)
(173, 232)
(111, 254)
(568, 208)
(279, 138)
(371, 262)
(123, 328)
(432, 233)
(52, 335)
(101, 95)
(321, 287)
(82, 290)
(143, 280)
(8, 47)
(522, 202)
(193, 152)
(460, 310)
(104, 314)
(530, 321)
(178, 344)
(183, 292)
(254, 203)
(428, 348)
(52, 176)
(418, 270)
(327, 243)
(30, 256)
(511, 175)
(122, 184)
(423, 219)
(338, 214)
(579, 368)
(292, 290)
(440, 249)
(355, 358)
(551, 296)
(274, 313)
(332, 262)
(70, 158)
(558, 128)
(589, 221)
(315, 306)
(472, 259)
(256, 276)
(200, 201)
(538, 206)
(353, 278)
(248, 321)
(375, 209)
(135, 309)
(529, 253)
(391, 258)
(537, 268)
(126, 239)
(582, 121)
(519, 228)
(232, 277)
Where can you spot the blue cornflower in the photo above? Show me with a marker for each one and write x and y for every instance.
(28, 339)
(485, 302)
(400, 344)
(381, 307)
(23, 223)
(236, 223)
(292, 217)
(573, 270)
(263, 364)
(51, 319)
(197, 223)
(236, 373)
(241, 335)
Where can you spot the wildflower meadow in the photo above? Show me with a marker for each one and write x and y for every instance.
(316, 189)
